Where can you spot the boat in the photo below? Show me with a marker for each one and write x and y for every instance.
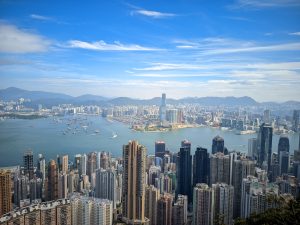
(96, 131)
(114, 135)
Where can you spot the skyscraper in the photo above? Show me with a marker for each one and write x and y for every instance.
(267, 116)
(203, 205)
(64, 163)
(91, 164)
(106, 185)
(160, 149)
(218, 145)
(223, 203)
(284, 162)
(164, 210)
(5, 192)
(28, 164)
(52, 186)
(283, 144)
(179, 210)
(296, 117)
(134, 172)
(252, 148)
(163, 109)
(184, 170)
(82, 169)
(200, 166)
(151, 198)
(219, 168)
(41, 167)
(264, 147)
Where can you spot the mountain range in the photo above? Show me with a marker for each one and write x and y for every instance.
(49, 99)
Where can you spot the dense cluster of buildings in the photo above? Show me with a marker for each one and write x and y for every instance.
(163, 189)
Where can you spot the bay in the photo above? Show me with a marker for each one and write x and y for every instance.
(84, 134)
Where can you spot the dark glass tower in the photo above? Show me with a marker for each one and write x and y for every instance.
(184, 170)
(217, 145)
(28, 163)
(160, 149)
(283, 144)
(264, 147)
(296, 117)
(200, 166)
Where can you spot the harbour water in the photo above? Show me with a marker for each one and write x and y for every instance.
(83, 134)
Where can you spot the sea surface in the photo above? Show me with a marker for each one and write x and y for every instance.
(72, 135)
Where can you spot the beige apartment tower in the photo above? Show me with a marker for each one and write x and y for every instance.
(133, 194)
(5, 192)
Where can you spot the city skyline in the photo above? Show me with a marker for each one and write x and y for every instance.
(236, 48)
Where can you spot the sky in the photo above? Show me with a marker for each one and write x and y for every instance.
(143, 48)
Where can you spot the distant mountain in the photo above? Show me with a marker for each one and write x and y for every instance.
(49, 99)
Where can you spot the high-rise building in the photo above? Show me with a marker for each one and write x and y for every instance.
(160, 149)
(41, 168)
(163, 109)
(83, 161)
(151, 198)
(218, 145)
(5, 192)
(241, 169)
(184, 170)
(64, 163)
(171, 116)
(223, 203)
(106, 185)
(90, 211)
(264, 147)
(267, 116)
(284, 162)
(52, 185)
(104, 160)
(203, 205)
(91, 164)
(296, 117)
(36, 189)
(62, 185)
(200, 166)
(219, 168)
(134, 173)
(179, 211)
(164, 210)
(28, 164)
(252, 148)
(21, 183)
(283, 144)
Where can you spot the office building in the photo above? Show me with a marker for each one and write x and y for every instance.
(164, 209)
(179, 210)
(163, 109)
(28, 164)
(91, 164)
(218, 145)
(264, 146)
(267, 116)
(5, 192)
(151, 197)
(160, 149)
(184, 170)
(21, 183)
(133, 193)
(41, 167)
(223, 203)
(252, 148)
(203, 205)
(83, 161)
(64, 164)
(219, 168)
(200, 166)
(296, 117)
(52, 184)
(171, 116)
(283, 144)
(284, 162)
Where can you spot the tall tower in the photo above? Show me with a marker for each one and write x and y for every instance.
(163, 109)
(133, 193)
(283, 144)
(219, 168)
(152, 196)
(218, 145)
(64, 164)
(28, 164)
(203, 207)
(91, 164)
(179, 210)
(200, 166)
(296, 117)
(164, 210)
(5, 192)
(264, 147)
(52, 187)
(160, 149)
(184, 170)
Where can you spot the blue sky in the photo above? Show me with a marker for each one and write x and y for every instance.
(143, 48)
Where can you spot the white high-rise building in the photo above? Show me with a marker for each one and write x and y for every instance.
(62, 186)
(203, 205)
(91, 211)
(83, 160)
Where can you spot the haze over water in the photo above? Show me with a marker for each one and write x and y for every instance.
(46, 136)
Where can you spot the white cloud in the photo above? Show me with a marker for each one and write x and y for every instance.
(295, 33)
(153, 14)
(15, 40)
(265, 3)
(40, 17)
(103, 46)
